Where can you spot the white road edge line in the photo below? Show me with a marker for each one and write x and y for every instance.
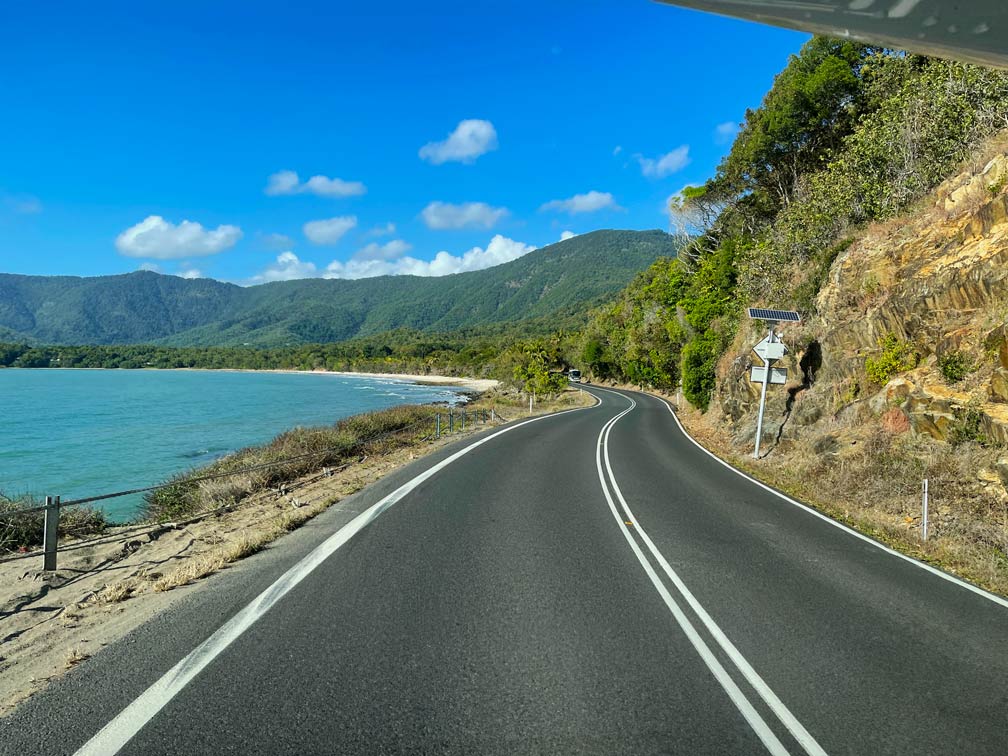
(745, 707)
(826, 518)
(117, 733)
(764, 691)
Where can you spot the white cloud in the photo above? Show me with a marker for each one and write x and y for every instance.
(286, 268)
(282, 182)
(725, 132)
(287, 182)
(279, 242)
(387, 230)
(470, 139)
(617, 150)
(665, 165)
(583, 203)
(156, 238)
(442, 215)
(388, 251)
(152, 267)
(329, 231)
(191, 273)
(499, 250)
(567, 235)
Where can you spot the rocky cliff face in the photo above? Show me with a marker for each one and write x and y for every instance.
(936, 279)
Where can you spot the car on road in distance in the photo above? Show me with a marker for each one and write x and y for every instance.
(574, 375)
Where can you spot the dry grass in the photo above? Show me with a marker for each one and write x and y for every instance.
(192, 570)
(113, 593)
(75, 657)
(873, 483)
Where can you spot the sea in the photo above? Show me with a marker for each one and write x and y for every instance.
(82, 433)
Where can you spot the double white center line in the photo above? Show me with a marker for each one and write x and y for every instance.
(773, 744)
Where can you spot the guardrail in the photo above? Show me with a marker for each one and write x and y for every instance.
(53, 504)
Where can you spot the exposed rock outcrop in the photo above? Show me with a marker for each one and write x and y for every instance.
(937, 278)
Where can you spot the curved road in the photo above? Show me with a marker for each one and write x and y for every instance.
(590, 582)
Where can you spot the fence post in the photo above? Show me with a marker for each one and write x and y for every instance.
(463, 419)
(451, 421)
(924, 516)
(492, 418)
(50, 537)
(437, 425)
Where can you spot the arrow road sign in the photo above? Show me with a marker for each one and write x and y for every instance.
(769, 350)
(777, 375)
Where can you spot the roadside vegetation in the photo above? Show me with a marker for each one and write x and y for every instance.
(874, 485)
(291, 455)
(25, 531)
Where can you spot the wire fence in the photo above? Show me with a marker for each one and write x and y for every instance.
(440, 424)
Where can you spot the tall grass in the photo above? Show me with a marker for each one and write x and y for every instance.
(289, 456)
(20, 530)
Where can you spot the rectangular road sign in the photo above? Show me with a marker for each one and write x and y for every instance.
(770, 350)
(777, 375)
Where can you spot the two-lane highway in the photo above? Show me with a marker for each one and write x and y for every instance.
(590, 582)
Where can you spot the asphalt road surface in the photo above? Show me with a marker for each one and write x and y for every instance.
(591, 582)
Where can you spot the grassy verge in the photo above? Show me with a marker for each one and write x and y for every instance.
(289, 456)
(23, 531)
(872, 482)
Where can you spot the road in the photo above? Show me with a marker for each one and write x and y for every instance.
(591, 582)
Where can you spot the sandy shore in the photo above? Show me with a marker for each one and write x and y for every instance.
(469, 384)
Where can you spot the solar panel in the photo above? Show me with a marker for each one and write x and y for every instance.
(778, 316)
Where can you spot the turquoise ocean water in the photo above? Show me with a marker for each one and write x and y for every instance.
(78, 433)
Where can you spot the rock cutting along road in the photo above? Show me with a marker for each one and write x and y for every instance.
(591, 582)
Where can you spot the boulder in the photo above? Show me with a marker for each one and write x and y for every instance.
(931, 411)
(997, 390)
(892, 394)
(997, 341)
(994, 423)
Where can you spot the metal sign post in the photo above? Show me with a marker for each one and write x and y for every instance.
(769, 350)
(767, 369)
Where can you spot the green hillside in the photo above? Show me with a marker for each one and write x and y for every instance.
(558, 281)
(134, 308)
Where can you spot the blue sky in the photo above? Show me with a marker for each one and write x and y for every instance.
(441, 136)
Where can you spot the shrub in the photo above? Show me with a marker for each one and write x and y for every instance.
(19, 531)
(297, 452)
(699, 362)
(969, 424)
(897, 356)
(954, 366)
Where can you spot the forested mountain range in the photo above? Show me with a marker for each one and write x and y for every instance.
(560, 281)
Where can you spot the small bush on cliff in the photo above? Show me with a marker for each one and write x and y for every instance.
(954, 366)
(969, 425)
(897, 356)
